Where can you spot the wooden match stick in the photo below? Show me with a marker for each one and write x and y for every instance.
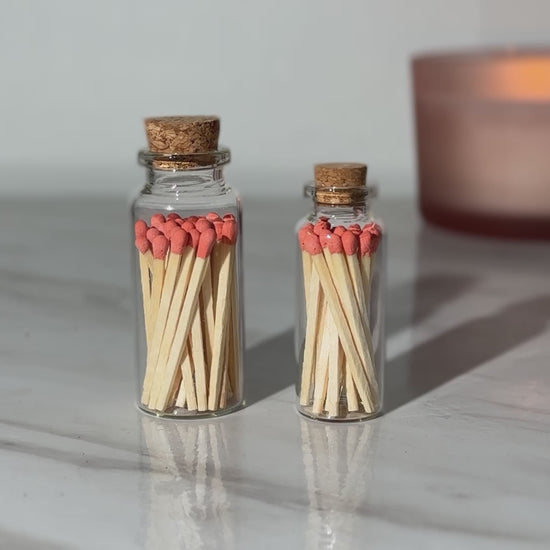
(354, 359)
(332, 405)
(168, 362)
(187, 261)
(196, 350)
(225, 278)
(357, 324)
(322, 363)
(160, 247)
(312, 290)
(178, 241)
(142, 244)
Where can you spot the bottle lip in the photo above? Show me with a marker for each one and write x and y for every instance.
(189, 161)
(360, 192)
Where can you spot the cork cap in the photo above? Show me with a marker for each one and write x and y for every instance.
(349, 179)
(182, 135)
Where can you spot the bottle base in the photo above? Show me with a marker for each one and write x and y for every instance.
(179, 413)
(351, 416)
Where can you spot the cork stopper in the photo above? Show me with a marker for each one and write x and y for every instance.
(182, 135)
(348, 178)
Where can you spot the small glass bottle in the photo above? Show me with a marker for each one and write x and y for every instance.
(188, 273)
(340, 321)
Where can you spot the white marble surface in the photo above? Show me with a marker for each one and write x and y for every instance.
(461, 459)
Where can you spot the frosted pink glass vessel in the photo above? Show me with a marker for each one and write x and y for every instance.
(483, 141)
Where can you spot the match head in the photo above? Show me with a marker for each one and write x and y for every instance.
(211, 216)
(202, 224)
(355, 228)
(188, 225)
(157, 220)
(229, 232)
(320, 226)
(350, 242)
(142, 244)
(140, 228)
(324, 237)
(160, 247)
(218, 227)
(206, 243)
(302, 232)
(370, 238)
(192, 219)
(312, 244)
(228, 217)
(334, 244)
(339, 230)
(178, 240)
(168, 227)
(194, 235)
(180, 221)
(173, 216)
(152, 232)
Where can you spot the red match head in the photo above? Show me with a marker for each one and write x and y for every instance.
(334, 244)
(350, 242)
(168, 227)
(218, 227)
(157, 220)
(211, 216)
(160, 247)
(312, 245)
(194, 235)
(229, 232)
(303, 232)
(140, 228)
(173, 216)
(320, 226)
(152, 232)
(202, 224)
(192, 219)
(142, 244)
(228, 217)
(178, 240)
(324, 237)
(355, 228)
(188, 225)
(206, 243)
(339, 230)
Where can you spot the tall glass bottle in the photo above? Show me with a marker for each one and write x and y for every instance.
(340, 321)
(188, 273)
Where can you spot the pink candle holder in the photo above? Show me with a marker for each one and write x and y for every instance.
(483, 141)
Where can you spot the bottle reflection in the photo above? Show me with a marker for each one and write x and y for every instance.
(338, 463)
(188, 504)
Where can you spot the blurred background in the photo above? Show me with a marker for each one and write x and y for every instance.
(294, 83)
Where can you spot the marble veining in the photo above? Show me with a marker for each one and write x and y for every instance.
(459, 460)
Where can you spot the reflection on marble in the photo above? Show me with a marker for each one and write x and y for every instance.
(338, 462)
(187, 494)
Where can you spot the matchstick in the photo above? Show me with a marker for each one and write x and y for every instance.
(168, 362)
(178, 241)
(358, 326)
(187, 261)
(355, 361)
(312, 290)
(332, 404)
(322, 364)
(160, 247)
(225, 278)
(142, 244)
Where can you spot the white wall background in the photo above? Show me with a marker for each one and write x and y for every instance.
(295, 82)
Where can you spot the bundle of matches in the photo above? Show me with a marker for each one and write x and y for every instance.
(190, 302)
(338, 370)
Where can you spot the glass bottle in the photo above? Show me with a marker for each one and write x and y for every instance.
(340, 317)
(188, 265)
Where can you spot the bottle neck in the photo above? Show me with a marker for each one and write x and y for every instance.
(341, 214)
(188, 182)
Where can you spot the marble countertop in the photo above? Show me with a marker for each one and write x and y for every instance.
(461, 458)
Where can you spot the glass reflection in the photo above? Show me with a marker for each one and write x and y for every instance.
(338, 465)
(188, 506)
